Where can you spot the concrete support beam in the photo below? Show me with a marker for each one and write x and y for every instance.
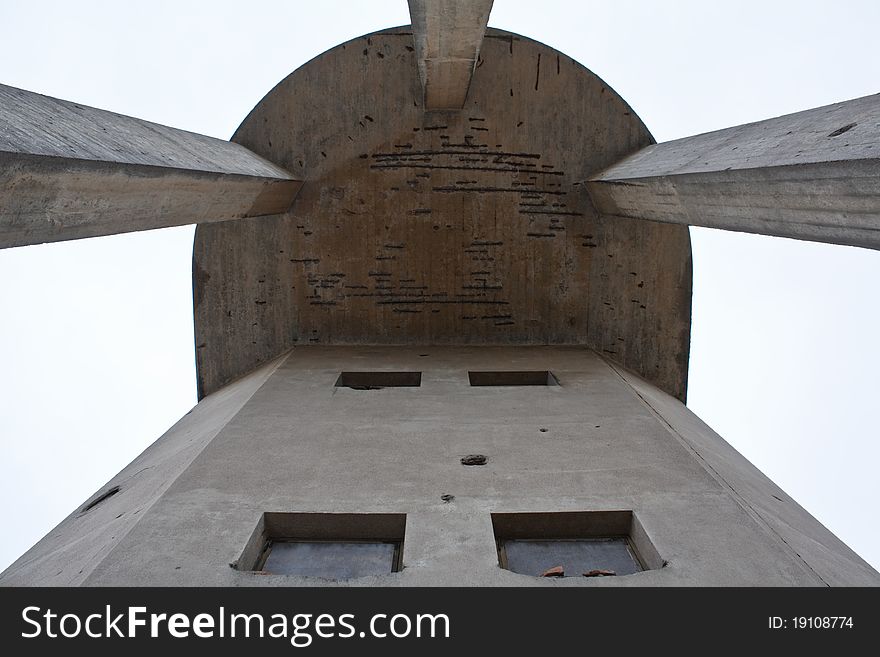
(812, 175)
(448, 34)
(68, 171)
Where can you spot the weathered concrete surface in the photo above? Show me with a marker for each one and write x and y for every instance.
(68, 171)
(466, 227)
(823, 553)
(448, 35)
(300, 444)
(69, 554)
(813, 175)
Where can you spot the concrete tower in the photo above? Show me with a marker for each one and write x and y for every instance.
(442, 284)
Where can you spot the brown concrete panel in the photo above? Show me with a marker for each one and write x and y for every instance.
(466, 227)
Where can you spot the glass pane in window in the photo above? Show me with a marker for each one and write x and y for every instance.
(576, 557)
(330, 559)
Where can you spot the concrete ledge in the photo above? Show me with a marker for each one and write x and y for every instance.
(68, 171)
(813, 175)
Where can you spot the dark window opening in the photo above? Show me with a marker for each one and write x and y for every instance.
(522, 378)
(336, 546)
(573, 544)
(378, 380)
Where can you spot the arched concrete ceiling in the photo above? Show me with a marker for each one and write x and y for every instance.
(442, 227)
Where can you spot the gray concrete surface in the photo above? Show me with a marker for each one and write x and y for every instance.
(78, 545)
(69, 171)
(300, 444)
(448, 35)
(813, 175)
(417, 227)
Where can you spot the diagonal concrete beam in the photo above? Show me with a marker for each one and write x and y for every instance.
(68, 171)
(813, 175)
(448, 35)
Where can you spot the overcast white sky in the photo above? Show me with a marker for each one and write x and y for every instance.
(96, 346)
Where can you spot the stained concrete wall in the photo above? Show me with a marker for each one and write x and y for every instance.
(299, 444)
(467, 227)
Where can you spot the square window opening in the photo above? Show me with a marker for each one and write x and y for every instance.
(379, 380)
(513, 378)
(336, 546)
(573, 544)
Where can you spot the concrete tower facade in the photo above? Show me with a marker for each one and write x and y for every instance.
(442, 286)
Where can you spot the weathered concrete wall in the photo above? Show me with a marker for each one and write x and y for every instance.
(769, 506)
(417, 227)
(612, 441)
(813, 175)
(69, 171)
